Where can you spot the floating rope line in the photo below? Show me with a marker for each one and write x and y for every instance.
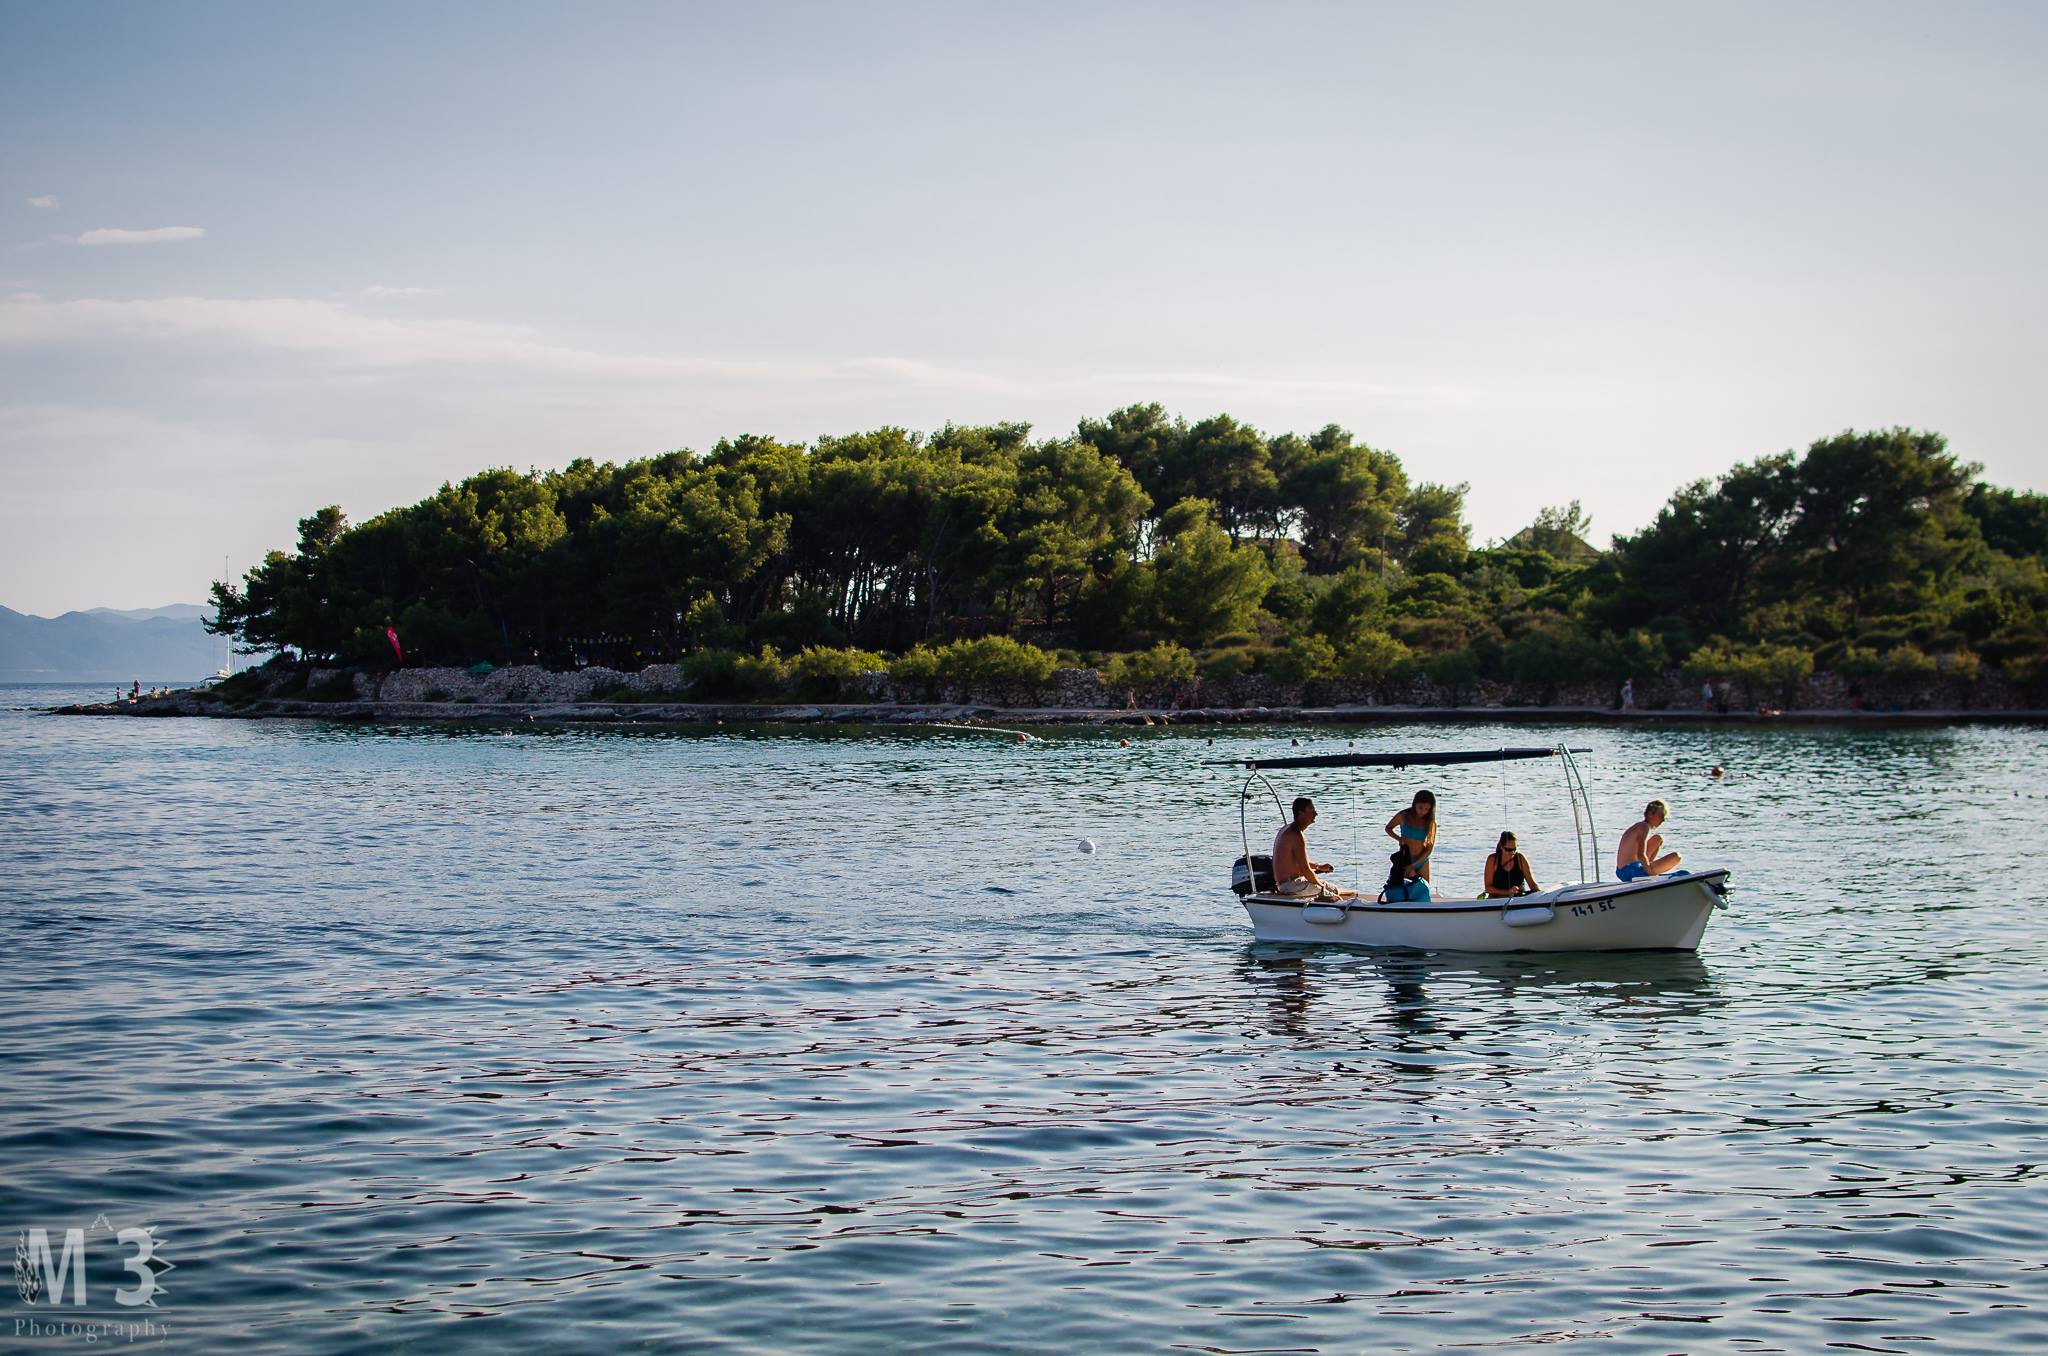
(1025, 735)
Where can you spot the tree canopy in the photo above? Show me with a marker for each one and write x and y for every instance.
(1307, 554)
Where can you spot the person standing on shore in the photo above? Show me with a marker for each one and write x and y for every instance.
(1628, 694)
(1707, 695)
(1414, 829)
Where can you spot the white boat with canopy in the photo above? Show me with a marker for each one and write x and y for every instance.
(1658, 913)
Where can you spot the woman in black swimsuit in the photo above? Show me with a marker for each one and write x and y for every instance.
(1507, 871)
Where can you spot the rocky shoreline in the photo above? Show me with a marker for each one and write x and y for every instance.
(654, 696)
(873, 713)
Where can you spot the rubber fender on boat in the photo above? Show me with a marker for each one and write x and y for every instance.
(1321, 913)
(1527, 915)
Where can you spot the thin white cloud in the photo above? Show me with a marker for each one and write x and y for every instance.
(276, 404)
(46, 201)
(112, 235)
(381, 341)
(381, 290)
(1232, 385)
(376, 341)
(340, 331)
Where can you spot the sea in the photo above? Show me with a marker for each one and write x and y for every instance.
(324, 1038)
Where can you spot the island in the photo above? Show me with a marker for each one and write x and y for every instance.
(1143, 567)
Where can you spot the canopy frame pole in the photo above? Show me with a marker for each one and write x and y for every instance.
(1575, 783)
(1244, 798)
(1578, 828)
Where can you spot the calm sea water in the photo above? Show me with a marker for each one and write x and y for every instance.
(566, 1041)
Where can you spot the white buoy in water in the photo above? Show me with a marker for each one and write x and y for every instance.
(1088, 847)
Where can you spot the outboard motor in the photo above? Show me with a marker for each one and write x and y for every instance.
(1258, 880)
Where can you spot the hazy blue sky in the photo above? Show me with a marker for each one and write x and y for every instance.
(255, 259)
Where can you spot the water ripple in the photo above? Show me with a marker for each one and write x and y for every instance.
(567, 1040)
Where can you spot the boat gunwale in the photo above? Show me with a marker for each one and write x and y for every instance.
(1589, 892)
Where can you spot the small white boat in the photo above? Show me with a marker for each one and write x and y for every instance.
(1661, 913)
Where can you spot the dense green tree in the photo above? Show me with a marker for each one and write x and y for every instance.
(1354, 604)
(1711, 547)
(1203, 584)
(1292, 594)
(1073, 517)
(1880, 553)
(1553, 653)
(2012, 521)
(1880, 512)
(1144, 441)
(1228, 464)
(288, 601)
(1347, 498)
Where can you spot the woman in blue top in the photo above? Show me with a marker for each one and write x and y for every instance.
(1415, 829)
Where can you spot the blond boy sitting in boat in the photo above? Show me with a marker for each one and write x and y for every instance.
(1637, 857)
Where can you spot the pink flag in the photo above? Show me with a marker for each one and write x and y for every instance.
(391, 634)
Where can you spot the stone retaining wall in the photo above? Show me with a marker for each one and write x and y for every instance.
(519, 683)
(1084, 689)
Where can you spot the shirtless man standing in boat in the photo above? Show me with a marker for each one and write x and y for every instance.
(1636, 857)
(1293, 872)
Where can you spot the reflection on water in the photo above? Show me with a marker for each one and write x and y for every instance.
(574, 1040)
(1309, 990)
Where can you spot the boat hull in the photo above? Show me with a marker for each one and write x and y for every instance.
(1663, 913)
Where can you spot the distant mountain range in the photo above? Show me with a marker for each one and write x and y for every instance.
(147, 645)
(175, 612)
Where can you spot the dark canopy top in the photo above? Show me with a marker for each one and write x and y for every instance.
(1417, 758)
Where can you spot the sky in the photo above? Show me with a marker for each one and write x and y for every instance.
(259, 258)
